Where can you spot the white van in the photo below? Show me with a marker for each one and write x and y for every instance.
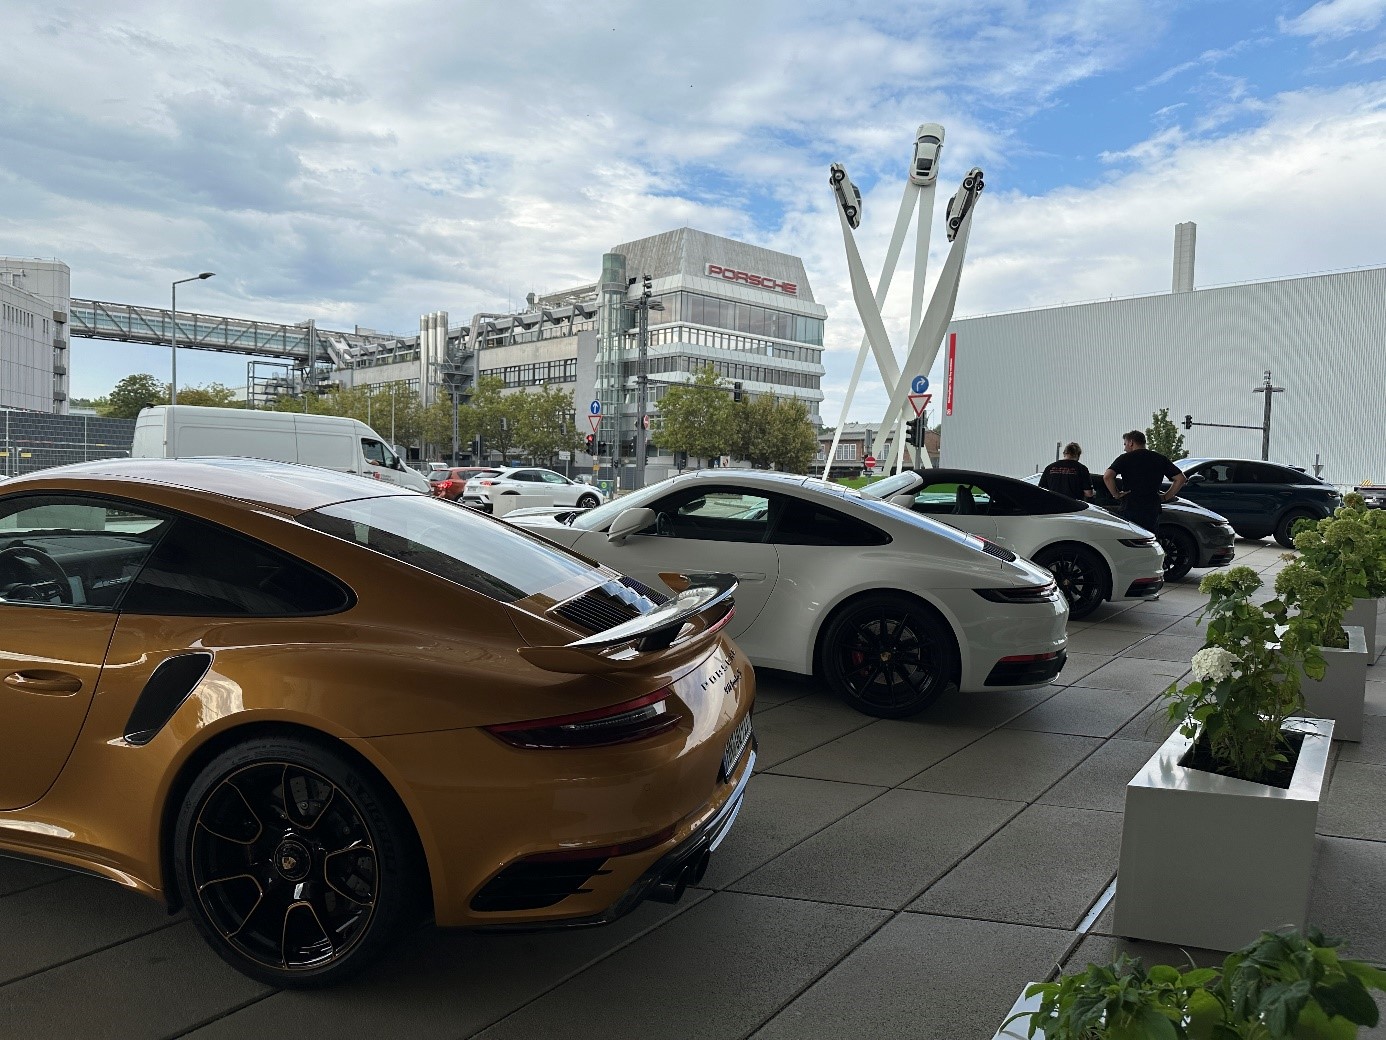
(326, 441)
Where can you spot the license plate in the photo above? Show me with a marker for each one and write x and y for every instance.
(736, 746)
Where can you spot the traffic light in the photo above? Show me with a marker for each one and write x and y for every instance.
(915, 428)
(1188, 422)
(736, 391)
(588, 440)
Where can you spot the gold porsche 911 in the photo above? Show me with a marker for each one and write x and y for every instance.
(308, 707)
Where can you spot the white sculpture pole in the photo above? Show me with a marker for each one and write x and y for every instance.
(926, 341)
(892, 260)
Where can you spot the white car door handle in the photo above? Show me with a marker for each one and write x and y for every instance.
(750, 576)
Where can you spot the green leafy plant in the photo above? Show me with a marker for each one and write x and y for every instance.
(1283, 986)
(1246, 678)
(1340, 558)
(1163, 436)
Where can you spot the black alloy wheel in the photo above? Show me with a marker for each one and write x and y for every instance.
(1080, 574)
(588, 502)
(1285, 530)
(294, 866)
(889, 656)
(1181, 551)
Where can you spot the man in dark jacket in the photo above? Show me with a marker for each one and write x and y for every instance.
(1142, 473)
(1067, 475)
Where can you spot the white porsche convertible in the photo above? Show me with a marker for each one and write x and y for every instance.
(888, 607)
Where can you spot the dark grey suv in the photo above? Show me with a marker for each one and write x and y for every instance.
(1259, 498)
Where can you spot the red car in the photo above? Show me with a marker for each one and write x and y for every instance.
(448, 483)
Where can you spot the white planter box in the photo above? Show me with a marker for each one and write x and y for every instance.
(1210, 861)
(1341, 694)
(1366, 613)
(502, 504)
(1020, 1028)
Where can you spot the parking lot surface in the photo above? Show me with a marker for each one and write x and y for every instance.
(886, 879)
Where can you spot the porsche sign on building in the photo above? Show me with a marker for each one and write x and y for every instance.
(1023, 383)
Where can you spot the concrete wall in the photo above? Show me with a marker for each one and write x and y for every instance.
(1024, 382)
(34, 299)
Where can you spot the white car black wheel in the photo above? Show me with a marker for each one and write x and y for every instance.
(588, 502)
(889, 655)
(1081, 575)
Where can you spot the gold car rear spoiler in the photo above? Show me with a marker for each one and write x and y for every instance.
(682, 625)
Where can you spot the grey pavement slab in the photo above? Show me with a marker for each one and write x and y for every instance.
(1176, 649)
(775, 687)
(907, 981)
(1135, 676)
(48, 925)
(885, 853)
(768, 949)
(1100, 780)
(1151, 724)
(1103, 639)
(1356, 802)
(1145, 623)
(779, 812)
(18, 874)
(787, 730)
(1010, 764)
(1349, 878)
(1078, 665)
(1372, 747)
(1083, 711)
(154, 986)
(984, 710)
(885, 753)
(1046, 868)
(1375, 703)
(443, 984)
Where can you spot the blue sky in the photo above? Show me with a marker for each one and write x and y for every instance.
(363, 163)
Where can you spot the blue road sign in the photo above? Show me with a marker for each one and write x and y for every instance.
(919, 384)
(595, 408)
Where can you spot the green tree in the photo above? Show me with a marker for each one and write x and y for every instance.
(1163, 436)
(496, 415)
(545, 423)
(698, 417)
(134, 392)
(213, 395)
(793, 439)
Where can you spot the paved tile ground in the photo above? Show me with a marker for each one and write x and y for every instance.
(886, 879)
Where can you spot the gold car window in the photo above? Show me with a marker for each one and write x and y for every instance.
(201, 569)
(72, 550)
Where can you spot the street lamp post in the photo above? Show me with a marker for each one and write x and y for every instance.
(173, 384)
(643, 304)
(1267, 389)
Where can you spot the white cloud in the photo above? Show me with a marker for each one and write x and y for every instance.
(1333, 19)
(360, 163)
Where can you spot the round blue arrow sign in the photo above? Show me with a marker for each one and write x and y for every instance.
(919, 384)
(595, 408)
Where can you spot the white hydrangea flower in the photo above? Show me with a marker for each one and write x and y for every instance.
(1214, 664)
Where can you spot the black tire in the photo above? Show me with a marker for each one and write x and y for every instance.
(296, 867)
(837, 176)
(589, 502)
(1082, 577)
(1285, 529)
(888, 655)
(1181, 551)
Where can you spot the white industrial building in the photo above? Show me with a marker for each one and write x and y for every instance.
(1018, 385)
(34, 301)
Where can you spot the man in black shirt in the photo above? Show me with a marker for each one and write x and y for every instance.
(1067, 475)
(1142, 473)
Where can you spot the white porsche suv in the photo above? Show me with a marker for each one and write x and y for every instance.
(482, 491)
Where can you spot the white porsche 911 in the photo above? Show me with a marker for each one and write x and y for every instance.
(887, 606)
(1093, 554)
